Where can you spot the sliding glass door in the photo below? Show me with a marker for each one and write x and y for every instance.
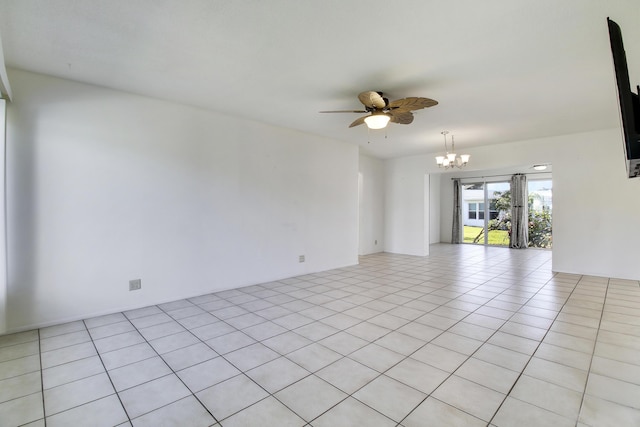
(498, 223)
(486, 213)
(473, 200)
(540, 213)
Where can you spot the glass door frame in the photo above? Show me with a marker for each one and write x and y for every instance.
(487, 208)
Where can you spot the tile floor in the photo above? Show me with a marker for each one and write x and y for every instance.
(468, 336)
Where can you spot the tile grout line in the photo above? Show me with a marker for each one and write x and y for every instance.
(106, 372)
(44, 415)
(475, 351)
(426, 343)
(79, 379)
(305, 346)
(532, 355)
(348, 395)
(243, 372)
(168, 366)
(485, 341)
(284, 355)
(379, 374)
(548, 329)
(593, 351)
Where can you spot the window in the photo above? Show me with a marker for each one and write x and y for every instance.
(476, 210)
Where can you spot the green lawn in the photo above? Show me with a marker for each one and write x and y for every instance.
(496, 237)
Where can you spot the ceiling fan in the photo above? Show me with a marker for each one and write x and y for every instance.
(381, 111)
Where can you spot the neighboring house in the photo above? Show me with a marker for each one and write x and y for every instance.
(473, 206)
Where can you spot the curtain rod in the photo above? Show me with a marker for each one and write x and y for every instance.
(504, 174)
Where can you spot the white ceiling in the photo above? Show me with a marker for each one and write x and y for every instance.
(502, 70)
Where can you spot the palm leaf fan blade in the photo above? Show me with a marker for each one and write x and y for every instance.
(401, 117)
(412, 103)
(343, 111)
(358, 122)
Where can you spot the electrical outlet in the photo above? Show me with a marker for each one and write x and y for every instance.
(134, 285)
(301, 258)
(376, 242)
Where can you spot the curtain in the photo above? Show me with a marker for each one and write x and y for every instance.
(456, 232)
(519, 238)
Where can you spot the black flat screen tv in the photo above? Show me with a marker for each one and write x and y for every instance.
(627, 101)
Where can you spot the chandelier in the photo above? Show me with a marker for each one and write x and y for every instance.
(451, 159)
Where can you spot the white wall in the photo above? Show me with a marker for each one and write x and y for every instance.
(104, 187)
(371, 205)
(3, 254)
(434, 208)
(406, 207)
(374, 208)
(5, 88)
(603, 239)
(596, 209)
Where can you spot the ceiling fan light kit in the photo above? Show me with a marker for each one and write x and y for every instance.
(451, 159)
(377, 121)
